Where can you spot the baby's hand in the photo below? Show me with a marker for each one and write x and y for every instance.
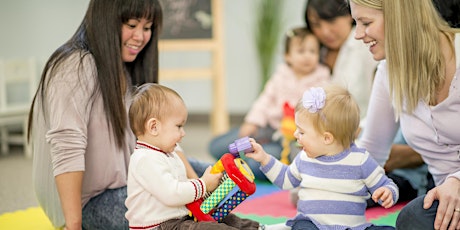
(259, 153)
(383, 196)
(211, 179)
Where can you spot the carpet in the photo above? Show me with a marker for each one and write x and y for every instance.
(268, 205)
(31, 218)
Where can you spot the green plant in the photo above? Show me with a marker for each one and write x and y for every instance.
(267, 33)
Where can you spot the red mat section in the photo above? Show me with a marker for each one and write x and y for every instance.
(378, 212)
(277, 204)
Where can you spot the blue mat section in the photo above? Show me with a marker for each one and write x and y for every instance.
(263, 188)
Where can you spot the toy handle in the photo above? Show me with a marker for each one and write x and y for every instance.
(195, 210)
(241, 145)
(218, 167)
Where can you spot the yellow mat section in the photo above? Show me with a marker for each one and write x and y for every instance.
(31, 218)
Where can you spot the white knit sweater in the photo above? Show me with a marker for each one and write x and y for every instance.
(158, 188)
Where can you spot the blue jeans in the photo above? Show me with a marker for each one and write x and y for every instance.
(107, 210)
(198, 166)
(219, 146)
(308, 225)
(413, 216)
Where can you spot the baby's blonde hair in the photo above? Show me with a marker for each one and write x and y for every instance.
(151, 100)
(339, 116)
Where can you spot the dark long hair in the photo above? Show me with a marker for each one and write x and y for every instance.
(99, 35)
(327, 9)
(449, 10)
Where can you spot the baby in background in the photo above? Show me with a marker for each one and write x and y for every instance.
(334, 175)
(158, 187)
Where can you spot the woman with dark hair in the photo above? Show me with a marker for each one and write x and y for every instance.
(78, 121)
(351, 64)
(449, 11)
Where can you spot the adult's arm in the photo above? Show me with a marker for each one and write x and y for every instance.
(191, 174)
(68, 101)
(69, 188)
(381, 125)
(402, 156)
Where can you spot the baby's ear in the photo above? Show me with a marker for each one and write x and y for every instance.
(328, 138)
(151, 126)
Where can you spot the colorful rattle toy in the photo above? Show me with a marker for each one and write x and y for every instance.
(237, 183)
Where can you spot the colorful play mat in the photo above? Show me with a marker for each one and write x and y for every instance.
(268, 205)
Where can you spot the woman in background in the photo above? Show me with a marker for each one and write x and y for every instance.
(351, 64)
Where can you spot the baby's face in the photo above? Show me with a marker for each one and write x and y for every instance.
(308, 137)
(172, 129)
(303, 56)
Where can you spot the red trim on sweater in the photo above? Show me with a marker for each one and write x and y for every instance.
(150, 147)
(146, 227)
(196, 191)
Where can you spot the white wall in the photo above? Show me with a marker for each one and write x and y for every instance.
(37, 27)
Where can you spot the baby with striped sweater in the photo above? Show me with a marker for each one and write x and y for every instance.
(335, 176)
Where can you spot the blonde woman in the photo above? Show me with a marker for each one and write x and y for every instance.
(416, 86)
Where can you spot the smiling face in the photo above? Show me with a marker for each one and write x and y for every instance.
(370, 28)
(135, 34)
(308, 137)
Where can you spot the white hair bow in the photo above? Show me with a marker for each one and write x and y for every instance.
(314, 99)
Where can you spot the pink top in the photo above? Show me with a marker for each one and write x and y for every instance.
(283, 86)
(72, 135)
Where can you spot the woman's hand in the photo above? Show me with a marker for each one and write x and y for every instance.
(448, 194)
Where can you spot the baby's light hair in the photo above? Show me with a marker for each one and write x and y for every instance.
(339, 116)
(151, 100)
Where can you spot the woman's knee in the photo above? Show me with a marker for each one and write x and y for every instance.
(414, 216)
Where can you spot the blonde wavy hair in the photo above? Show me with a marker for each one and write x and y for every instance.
(416, 65)
(339, 116)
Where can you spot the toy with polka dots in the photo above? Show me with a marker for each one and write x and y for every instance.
(236, 185)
